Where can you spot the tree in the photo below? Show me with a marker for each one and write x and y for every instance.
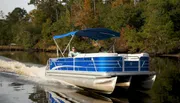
(1, 14)
(37, 17)
(85, 18)
(159, 27)
(5, 33)
(51, 8)
(16, 15)
(46, 32)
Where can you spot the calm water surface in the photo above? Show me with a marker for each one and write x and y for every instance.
(15, 88)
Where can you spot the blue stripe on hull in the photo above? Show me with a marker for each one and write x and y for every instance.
(100, 64)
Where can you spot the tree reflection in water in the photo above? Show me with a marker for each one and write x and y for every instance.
(39, 96)
(166, 88)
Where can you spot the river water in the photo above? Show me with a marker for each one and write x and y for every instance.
(22, 80)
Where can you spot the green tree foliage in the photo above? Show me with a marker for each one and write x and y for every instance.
(19, 29)
(46, 32)
(26, 35)
(16, 15)
(159, 27)
(6, 31)
(151, 26)
(63, 25)
(5, 34)
(50, 8)
(37, 17)
(156, 35)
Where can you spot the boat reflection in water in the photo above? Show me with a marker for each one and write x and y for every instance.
(56, 95)
(130, 96)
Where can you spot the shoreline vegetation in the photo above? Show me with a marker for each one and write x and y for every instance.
(53, 50)
(171, 55)
(20, 48)
(151, 26)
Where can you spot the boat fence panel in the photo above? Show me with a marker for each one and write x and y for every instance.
(136, 63)
(101, 64)
(95, 64)
(131, 65)
(144, 63)
(108, 64)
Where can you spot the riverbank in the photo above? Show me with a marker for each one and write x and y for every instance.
(170, 55)
(20, 48)
(11, 48)
(53, 49)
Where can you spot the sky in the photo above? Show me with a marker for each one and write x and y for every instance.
(9, 5)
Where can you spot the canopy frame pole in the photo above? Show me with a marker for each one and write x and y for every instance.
(68, 44)
(112, 47)
(57, 52)
(58, 48)
(69, 47)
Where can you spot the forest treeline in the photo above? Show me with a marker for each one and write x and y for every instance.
(151, 26)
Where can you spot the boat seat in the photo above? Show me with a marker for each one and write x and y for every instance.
(97, 55)
(133, 57)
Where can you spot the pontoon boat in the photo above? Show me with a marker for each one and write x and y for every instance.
(102, 72)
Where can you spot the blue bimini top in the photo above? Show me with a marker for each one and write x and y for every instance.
(93, 33)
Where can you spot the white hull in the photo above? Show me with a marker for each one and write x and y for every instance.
(100, 82)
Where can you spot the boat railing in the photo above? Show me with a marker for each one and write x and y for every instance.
(99, 64)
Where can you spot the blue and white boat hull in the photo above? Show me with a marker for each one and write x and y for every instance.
(103, 72)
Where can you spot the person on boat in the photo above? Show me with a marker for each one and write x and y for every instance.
(73, 53)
